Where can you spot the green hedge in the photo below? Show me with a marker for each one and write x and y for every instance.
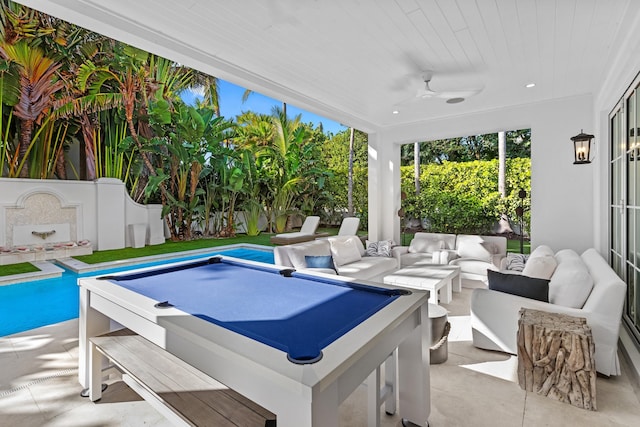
(464, 197)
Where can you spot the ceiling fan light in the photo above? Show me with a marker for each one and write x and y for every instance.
(454, 100)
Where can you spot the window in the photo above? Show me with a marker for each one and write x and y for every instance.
(625, 201)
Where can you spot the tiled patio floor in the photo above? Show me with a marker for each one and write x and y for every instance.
(39, 387)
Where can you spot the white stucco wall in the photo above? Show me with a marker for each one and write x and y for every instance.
(103, 210)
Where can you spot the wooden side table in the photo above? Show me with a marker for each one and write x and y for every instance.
(555, 357)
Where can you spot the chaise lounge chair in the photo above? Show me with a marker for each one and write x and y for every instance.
(349, 226)
(307, 232)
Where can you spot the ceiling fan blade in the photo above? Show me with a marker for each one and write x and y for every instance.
(450, 94)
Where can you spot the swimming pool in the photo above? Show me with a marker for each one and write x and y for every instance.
(39, 303)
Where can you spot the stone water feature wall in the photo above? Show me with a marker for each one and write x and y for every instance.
(44, 219)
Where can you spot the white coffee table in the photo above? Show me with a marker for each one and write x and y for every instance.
(456, 280)
(438, 279)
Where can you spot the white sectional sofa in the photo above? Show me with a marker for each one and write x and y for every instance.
(580, 285)
(348, 255)
(474, 254)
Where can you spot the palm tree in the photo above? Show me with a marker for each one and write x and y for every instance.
(289, 136)
(38, 84)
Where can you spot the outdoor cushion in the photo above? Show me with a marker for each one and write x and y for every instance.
(381, 248)
(344, 251)
(516, 284)
(368, 267)
(425, 245)
(319, 261)
(478, 249)
(541, 267)
(516, 262)
(571, 282)
(542, 250)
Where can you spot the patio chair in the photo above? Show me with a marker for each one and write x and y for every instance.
(349, 226)
(307, 232)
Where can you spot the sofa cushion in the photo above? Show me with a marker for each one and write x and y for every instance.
(319, 261)
(473, 266)
(381, 248)
(571, 282)
(412, 258)
(475, 247)
(368, 267)
(426, 245)
(344, 251)
(516, 284)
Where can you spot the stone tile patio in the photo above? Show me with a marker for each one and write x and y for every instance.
(38, 387)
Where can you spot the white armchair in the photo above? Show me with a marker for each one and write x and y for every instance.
(494, 315)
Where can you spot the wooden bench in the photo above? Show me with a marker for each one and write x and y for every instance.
(176, 389)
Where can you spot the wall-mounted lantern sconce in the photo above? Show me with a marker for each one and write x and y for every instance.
(582, 148)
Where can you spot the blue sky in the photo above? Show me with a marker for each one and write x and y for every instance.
(231, 105)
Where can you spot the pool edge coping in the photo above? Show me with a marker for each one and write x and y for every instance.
(82, 267)
(47, 270)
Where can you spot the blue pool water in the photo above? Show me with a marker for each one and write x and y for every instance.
(29, 305)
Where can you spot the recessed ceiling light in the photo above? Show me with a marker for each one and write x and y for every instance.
(530, 85)
(396, 112)
(454, 100)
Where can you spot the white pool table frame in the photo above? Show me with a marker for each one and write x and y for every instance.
(300, 395)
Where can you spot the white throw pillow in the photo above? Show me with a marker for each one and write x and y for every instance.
(344, 251)
(425, 245)
(541, 267)
(571, 283)
(542, 250)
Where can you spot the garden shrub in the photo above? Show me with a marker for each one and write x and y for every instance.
(464, 197)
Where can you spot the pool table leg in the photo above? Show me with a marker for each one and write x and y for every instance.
(90, 323)
(391, 382)
(95, 369)
(413, 372)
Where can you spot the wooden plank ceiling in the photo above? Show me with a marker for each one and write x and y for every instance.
(356, 61)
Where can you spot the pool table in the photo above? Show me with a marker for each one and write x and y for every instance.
(297, 344)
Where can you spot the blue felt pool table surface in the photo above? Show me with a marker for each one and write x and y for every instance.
(299, 315)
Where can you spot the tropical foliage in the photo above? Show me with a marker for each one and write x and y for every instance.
(77, 105)
(463, 197)
(63, 87)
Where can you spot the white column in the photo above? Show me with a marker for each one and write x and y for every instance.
(384, 188)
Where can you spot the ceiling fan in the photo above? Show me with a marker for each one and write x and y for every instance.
(452, 96)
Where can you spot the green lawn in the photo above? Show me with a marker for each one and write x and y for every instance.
(169, 247)
(23, 267)
(514, 246)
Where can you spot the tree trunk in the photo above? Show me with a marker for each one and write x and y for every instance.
(61, 171)
(502, 164)
(350, 176)
(416, 166)
(89, 144)
(26, 130)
